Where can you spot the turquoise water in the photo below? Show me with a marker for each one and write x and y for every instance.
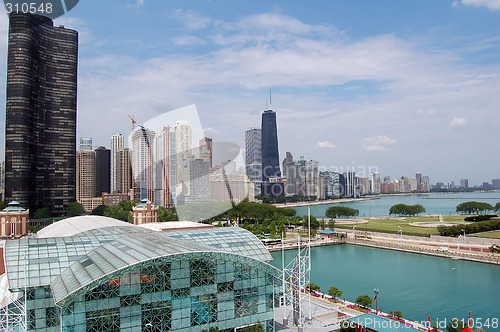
(417, 285)
(434, 203)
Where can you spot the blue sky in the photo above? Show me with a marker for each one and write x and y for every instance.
(402, 86)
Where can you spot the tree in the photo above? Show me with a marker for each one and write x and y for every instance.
(117, 212)
(494, 248)
(165, 214)
(312, 287)
(335, 292)
(497, 207)
(42, 213)
(331, 224)
(75, 209)
(406, 210)
(473, 207)
(364, 300)
(254, 328)
(341, 212)
(99, 210)
(396, 313)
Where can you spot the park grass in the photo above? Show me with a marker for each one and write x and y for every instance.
(490, 235)
(391, 226)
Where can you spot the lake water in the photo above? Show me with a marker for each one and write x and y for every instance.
(417, 285)
(435, 203)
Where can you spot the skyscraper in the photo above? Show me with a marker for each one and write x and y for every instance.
(206, 150)
(270, 153)
(40, 140)
(116, 145)
(253, 157)
(85, 180)
(142, 163)
(164, 167)
(183, 148)
(102, 170)
(123, 171)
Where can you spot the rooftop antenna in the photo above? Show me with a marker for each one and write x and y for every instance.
(270, 99)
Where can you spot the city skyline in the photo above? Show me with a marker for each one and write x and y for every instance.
(404, 87)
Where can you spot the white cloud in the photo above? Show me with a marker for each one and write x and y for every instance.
(192, 20)
(188, 40)
(490, 4)
(377, 143)
(140, 3)
(325, 145)
(458, 122)
(429, 111)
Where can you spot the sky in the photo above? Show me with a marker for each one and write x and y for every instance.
(395, 86)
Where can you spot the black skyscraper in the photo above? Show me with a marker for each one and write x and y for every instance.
(270, 154)
(102, 170)
(40, 148)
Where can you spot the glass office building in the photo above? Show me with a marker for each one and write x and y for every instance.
(98, 274)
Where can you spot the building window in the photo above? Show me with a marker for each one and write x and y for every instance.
(51, 317)
(203, 309)
(202, 272)
(103, 320)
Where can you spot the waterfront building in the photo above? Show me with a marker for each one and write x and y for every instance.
(332, 184)
(116, 145)
(363, 185)
(253, 157)
(14, 221)
(40, 136)
(387, 179)
(418, 177)
(375, 183)
(85, 143)
(464, 183)
(495, 183)
(85, 181)
(284, 165)
(349, 184)
(206, 152)
(108, 275)
(102, 171)
(164, 162)
(145, 213)
(426, 184)
(412, 184)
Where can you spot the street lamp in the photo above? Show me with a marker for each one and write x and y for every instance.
(458, 244)
(376, 299)
(400, 231)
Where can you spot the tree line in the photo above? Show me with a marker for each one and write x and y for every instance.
(406, 210)
(477, 227)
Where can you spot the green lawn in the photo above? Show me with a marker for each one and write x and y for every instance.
(491, 235)
(391, 226)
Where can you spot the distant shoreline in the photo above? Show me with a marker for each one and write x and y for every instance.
(331, 201)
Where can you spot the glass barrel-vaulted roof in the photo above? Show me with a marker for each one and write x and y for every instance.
(85, 256)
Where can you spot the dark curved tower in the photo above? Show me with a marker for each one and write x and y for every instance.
(40, 143)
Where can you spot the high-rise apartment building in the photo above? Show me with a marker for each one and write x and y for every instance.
(495, 183)
(102, 170)
(349, 184)
(142, 164)
(206, 153)
(164, 161)
(116, 145)
(183, 148)
(40, 140)
(375, 183)
(123, 171)
(85, 180)
(253, 157)
(464, 183)
(418, 177)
